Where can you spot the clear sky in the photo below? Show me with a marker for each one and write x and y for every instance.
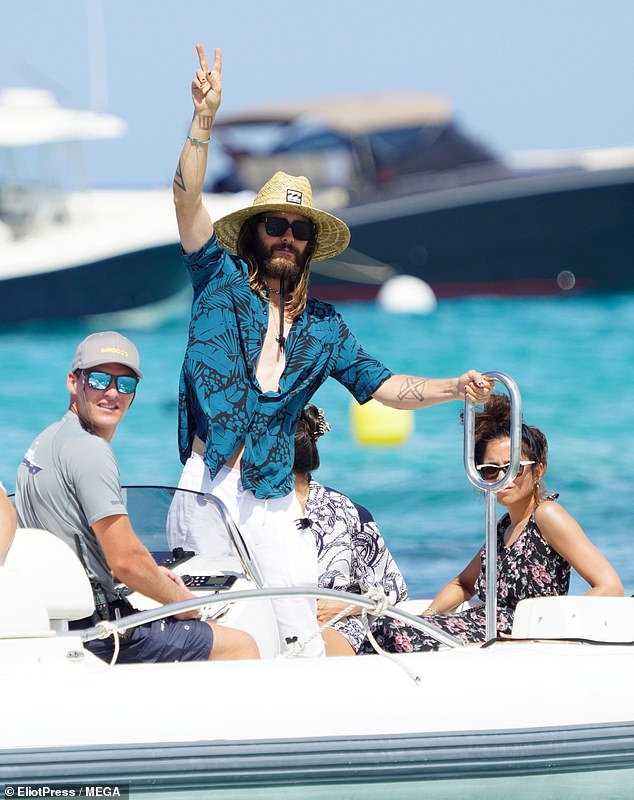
(521, 74)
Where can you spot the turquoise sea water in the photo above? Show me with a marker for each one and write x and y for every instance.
(572, 357)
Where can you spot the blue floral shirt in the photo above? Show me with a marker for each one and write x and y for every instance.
(220, 399)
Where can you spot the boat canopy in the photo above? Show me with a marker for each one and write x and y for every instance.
(352, 115)
(350, 146)
(33, 116)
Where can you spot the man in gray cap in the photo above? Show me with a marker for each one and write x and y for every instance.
(68, 483)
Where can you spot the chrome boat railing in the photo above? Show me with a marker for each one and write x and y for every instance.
(491, 488)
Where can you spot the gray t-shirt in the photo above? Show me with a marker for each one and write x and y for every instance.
(68, 480)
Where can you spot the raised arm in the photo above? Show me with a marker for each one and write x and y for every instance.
(194, 223)
(409, 392)
(566, 536)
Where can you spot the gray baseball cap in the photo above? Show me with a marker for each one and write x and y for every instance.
(106, 347)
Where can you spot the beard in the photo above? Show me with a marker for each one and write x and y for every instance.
(284, 263)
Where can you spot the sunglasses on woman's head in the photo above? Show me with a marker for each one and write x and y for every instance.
(303, 229)
(490, 471)
(100, 381)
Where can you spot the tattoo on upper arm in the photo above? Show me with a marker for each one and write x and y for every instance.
(179, 181)
(205, 122)
(412, 389)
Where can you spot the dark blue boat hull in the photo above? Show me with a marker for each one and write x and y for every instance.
(536, 235)
(120, 283)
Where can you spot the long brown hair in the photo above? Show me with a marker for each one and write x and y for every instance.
(296, 294)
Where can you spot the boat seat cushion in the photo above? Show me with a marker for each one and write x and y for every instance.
(22, 613)
(53, 572)
(602, 619)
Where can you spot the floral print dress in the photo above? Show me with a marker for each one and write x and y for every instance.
(529, 567)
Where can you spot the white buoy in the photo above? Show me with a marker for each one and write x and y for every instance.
(406, 294)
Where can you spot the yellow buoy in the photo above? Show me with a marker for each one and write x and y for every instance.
(376, 424)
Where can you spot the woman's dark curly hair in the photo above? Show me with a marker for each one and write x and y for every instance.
(309, 428)
(494, 422)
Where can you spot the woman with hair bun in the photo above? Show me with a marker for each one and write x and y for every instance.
(352, 554)
(537, 543)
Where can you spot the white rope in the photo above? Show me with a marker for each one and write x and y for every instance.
(380, 599)
(376, 595)
(108, 629)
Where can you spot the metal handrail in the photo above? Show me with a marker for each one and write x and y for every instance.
(491, 489)
(252, 573)
(150, 615)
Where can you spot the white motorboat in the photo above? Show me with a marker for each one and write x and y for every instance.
(67, 253)
(548, 712)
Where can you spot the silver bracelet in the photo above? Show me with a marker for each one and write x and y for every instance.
(198, 142)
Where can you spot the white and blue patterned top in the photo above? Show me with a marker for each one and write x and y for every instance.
(351, 552)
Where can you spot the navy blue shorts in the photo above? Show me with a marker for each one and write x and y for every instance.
(163, 640)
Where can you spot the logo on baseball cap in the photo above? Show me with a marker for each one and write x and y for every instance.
(107, 347)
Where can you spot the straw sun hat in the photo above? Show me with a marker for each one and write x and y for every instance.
(292, 194)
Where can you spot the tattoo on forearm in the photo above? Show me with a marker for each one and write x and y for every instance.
(179, 181)
(205, 123)
(412, 389)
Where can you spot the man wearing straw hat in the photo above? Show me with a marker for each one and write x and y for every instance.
(258, 350)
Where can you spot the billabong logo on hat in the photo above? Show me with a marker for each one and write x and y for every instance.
(293, 196)
(118, 350)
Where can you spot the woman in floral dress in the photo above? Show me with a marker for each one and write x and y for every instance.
(351, 552)
(537, 543)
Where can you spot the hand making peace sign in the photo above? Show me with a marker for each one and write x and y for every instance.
(207, 85)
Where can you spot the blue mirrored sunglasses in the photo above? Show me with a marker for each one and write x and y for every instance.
(100, 381)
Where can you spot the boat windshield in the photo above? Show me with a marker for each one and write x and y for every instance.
(31, 188)
(160, 515)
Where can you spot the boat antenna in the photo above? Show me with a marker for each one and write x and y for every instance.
(98, 61)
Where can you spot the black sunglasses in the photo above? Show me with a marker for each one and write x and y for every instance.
(303, 229)
(490, 471)
(100, 381)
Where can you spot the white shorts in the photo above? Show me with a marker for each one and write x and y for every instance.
(284, 554)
